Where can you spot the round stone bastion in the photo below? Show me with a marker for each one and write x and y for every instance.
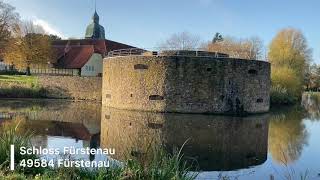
(186, 84)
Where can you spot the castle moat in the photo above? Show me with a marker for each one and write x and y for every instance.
(280, 143)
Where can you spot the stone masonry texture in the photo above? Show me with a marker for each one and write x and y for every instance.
(64, 87)
(186, 84)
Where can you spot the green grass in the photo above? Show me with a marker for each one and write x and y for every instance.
(20, 92)
(29, 89)
(10, 134)
(19, 78)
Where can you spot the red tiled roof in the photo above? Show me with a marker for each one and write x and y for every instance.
(74, 54)
(112, 45)
(59, 51)
(75, 57)
(99, 45)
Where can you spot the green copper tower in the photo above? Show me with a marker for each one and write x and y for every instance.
(95, 30)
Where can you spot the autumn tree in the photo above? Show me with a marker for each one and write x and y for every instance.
(54, 37)
(30, 47)
(8, 20)
(181, 41)
(251, 48)
(289, 55)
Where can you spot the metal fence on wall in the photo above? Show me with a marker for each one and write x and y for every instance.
(55, 72)
(157, 52)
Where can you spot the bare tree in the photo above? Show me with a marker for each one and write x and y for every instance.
(251, 48)
(181, 41)
(254, 48)
(28, 27)
(8, 20)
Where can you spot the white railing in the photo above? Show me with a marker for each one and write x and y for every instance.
(126, 52)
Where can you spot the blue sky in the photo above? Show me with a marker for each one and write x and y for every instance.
(144, 23)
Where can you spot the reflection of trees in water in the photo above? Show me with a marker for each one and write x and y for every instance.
(42, 130)
(287, 134)
(75, 131)
(85, 113)
(22, 105)
(311, 103)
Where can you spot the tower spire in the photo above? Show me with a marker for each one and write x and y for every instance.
(95, 30)
(95, 17)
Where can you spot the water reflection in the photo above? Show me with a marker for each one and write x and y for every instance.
(216, 142)
(287, 134)
(311, 103)
(55, 122)
(50, 111)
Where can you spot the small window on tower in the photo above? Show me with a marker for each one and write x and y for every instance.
(253, 71)
(156, 97)
(108, 96)
(140, 66)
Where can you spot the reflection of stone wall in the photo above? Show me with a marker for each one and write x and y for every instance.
(186, 84)
(64, 87)
(129, 133)
(220, 142)
(217, 142)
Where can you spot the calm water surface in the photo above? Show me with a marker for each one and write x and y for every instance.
(283, 143)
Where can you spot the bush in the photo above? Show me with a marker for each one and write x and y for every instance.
(10, 135)
(20, 92)
(280, 95)
(12, 72)
(286, 86)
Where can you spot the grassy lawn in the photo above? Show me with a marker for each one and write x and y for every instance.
(23, 87)
(19, 78)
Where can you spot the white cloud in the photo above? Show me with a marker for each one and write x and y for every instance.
(48, 28)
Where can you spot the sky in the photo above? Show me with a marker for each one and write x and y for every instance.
(145, 23)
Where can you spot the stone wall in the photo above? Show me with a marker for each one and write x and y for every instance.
(64, 87)
(186, 84)
(72, 87)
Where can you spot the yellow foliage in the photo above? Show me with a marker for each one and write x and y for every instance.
(289, 55)
(32, 49)
(287, 136)
(285, 77)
